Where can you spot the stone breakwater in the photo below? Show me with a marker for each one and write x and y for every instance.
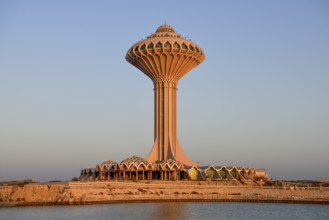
(76, 193)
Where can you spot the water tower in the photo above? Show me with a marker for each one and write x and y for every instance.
(165, 57)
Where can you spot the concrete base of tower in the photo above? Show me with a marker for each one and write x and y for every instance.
(178, 155)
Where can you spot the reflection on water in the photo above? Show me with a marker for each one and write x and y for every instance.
(170, 210)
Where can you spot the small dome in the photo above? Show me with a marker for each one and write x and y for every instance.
(135, 160)
(165, 28)
(108, 164)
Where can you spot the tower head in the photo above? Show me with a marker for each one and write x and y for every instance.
(165, 56)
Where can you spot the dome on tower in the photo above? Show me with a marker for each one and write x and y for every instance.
(165, 28)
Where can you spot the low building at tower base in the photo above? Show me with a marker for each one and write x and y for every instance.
(138, 168)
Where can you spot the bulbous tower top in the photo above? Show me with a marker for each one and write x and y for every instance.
(165, 56)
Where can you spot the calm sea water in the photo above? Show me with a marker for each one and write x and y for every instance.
(183, 210)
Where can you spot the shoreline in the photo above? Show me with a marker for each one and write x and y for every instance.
(91, 193)
(40, 204)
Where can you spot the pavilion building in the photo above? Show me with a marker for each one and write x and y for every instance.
(138, 168)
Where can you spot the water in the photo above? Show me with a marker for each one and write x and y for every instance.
(174, 210)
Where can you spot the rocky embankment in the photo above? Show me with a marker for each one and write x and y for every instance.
(76, 193)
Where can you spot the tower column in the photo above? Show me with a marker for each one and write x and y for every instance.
(166, 145)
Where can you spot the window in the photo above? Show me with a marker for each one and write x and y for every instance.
(167, 45)
(184, 46)
(159, 45)
(176, 45)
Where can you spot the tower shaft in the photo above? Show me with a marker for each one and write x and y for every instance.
(166, 145)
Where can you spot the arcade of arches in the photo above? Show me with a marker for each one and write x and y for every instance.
(137, 168)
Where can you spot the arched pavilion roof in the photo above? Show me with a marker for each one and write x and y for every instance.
(134, 160)
(170, 164)
(109, 164)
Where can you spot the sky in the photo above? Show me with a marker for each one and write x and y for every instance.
(69, 100)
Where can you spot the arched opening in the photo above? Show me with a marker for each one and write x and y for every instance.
(182, 175)
(133, 172)
(194, 173)
(149, 172)
(212, 173)
(103, 172)
(150, 46)
(234, 172)
(122, 174)
(244, 174)
(141, 174)
(165, 172)
(93, 174)
(174, 172)
(223, 173)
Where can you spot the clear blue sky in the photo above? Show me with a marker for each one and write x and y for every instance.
(69, 100)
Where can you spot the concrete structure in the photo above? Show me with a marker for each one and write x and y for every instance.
(166, 57)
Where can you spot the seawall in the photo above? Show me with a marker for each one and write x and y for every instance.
(77, 193)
